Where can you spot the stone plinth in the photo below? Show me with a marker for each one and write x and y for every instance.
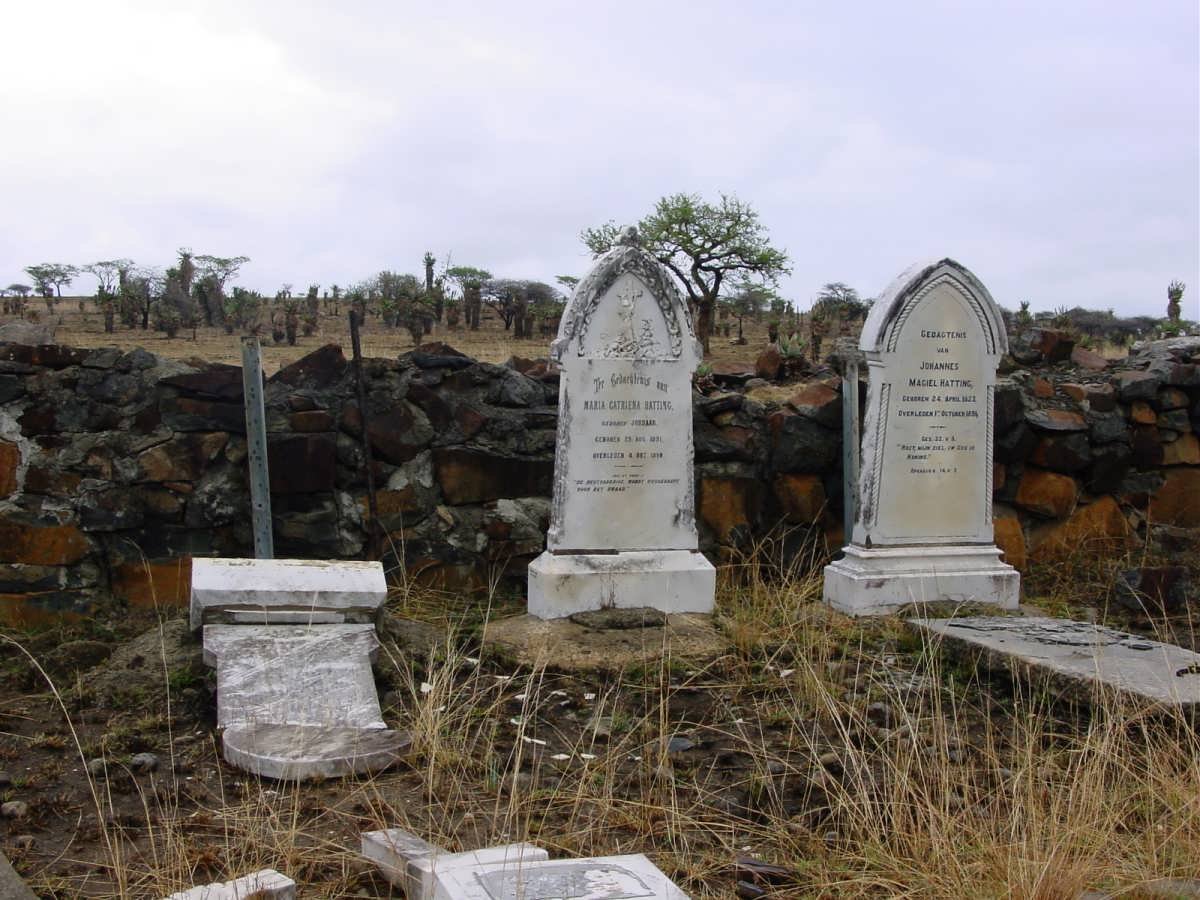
(287, 591)
(876, 582)
(674, 581)
(300, 752)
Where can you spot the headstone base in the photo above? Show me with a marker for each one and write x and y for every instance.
(674, 581)
(875, 582)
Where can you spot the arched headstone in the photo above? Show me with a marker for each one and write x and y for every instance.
(923, 521)
(623, 525)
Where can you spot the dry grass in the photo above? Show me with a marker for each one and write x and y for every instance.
(848, 752)
(491, 343)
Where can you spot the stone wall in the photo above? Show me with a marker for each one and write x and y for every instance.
(116, 468)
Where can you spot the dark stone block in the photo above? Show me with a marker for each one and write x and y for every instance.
(476, 476)
(1110, 465)
(799, 444)
(217, 382)
(302, 463)
(1015, 445)
(324, 367)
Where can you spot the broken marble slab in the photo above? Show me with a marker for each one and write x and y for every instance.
(414, 865)
(1080, 656)
(301, 752)
(285, 591)
(265, 884)
(294, 674)
(511, 872)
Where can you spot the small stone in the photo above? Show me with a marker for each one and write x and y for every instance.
(23, 841)
(14, 809)
(679, 744)
(144, 762)
(96, 768)
(5, 780)
(879, 713)
(830, 760)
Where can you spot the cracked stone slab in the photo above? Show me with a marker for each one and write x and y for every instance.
(1078, 655)
(286, 591)
(294, 675)
(265, 884)
(300, 752)
(511, 872)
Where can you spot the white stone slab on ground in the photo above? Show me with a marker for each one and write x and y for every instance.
(266, 591)
(294, 674)
(300, 752)
(265, 884)
(1078, 655)
(673, 581)
(511, 872)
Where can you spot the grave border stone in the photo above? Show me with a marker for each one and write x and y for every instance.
(881, 569)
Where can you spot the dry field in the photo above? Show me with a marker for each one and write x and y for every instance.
(491, 343)
(847, 753)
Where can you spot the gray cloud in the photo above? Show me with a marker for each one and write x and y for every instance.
(1053, 148)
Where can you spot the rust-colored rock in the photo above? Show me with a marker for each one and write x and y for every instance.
(1010, 538)
(802, 497)
(1054, 345)
(1068, 452)
(1088, 359)
(1046, 493)
(768, 363)
(1184, 451)
(475, 476)
(1042, 388)
(183, 458)
(41, 545)
(312, 420)
(1142, 413)
(1076, 392)
(1098, 527)
(1177, 502)
(302, 463)
(725, 506)
(1056, 420)
(151, 585)
(10, 460)
(820, 401)
(1172, 398)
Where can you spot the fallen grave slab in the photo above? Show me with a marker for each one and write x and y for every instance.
(299, 752)
(1080, 656)
(11, 885)
(265, 884)
(285, 591)
(511, 872)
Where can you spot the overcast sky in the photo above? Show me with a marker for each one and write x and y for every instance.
(1052, 147)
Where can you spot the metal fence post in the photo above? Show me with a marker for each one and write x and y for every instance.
(256, 444)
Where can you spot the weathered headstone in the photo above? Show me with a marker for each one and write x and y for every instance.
(623, 528)
(1079, 657)
(923, 522)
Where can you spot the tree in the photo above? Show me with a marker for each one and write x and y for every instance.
(470, 281)
(108, 273)
(704, 244)
(221, 268)
(749, 299)
(838, 300)
(45, 275)
(568, 283)
(21, 290)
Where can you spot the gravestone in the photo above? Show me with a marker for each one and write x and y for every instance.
(1080, 658)
(923, 520)
(623, 525)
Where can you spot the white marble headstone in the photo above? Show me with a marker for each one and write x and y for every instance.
(623, 463)
(923, 516)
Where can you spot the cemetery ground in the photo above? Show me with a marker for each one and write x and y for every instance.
(817, 756)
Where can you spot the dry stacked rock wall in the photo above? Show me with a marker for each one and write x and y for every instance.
(117, 467)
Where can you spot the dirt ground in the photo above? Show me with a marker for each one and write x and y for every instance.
(491, 343)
